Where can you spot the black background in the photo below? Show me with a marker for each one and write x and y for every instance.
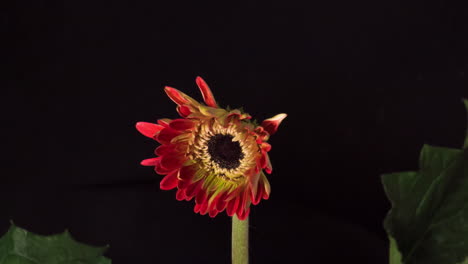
(364, 83)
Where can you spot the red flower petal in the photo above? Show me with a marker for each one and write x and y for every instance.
(166, 135)
(265, 146)
(148, 129)
(266, 188)
(160, 169)
(187, 173)
(193, 189)
(182, 124)
(183, 110)
(165, 149)
(244, 214)
(206, 92)
(271, 124)
(201, 197)
(253, 184)
(258, 196)
(204, 208)
(164, 122)
(221, 203)
(169, 182)
(150, 162)
(213, 213)
(268, 167)
(241, 206)
(177, 96)
(232, 206)
(180, 195)
(172, 162)
(196, 209)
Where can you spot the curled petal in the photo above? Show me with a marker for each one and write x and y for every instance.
(206, 92)
(170, 181)
(148, 129)
(271, 124)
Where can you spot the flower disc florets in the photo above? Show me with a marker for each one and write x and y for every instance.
(211, 154)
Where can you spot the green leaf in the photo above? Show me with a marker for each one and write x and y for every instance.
(395, 256)
(429, 215)
(19, 246)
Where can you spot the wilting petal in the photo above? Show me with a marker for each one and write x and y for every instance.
(206, 92)
(271, 124)
(169, 182)
(148, 129)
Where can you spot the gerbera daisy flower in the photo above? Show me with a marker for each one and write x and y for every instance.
(214, 155)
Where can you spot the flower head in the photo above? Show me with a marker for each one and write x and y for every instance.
(214, 155)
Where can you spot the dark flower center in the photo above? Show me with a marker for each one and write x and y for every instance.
(225, 152)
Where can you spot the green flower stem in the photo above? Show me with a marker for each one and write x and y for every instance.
(240, 241)
(465, 145)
